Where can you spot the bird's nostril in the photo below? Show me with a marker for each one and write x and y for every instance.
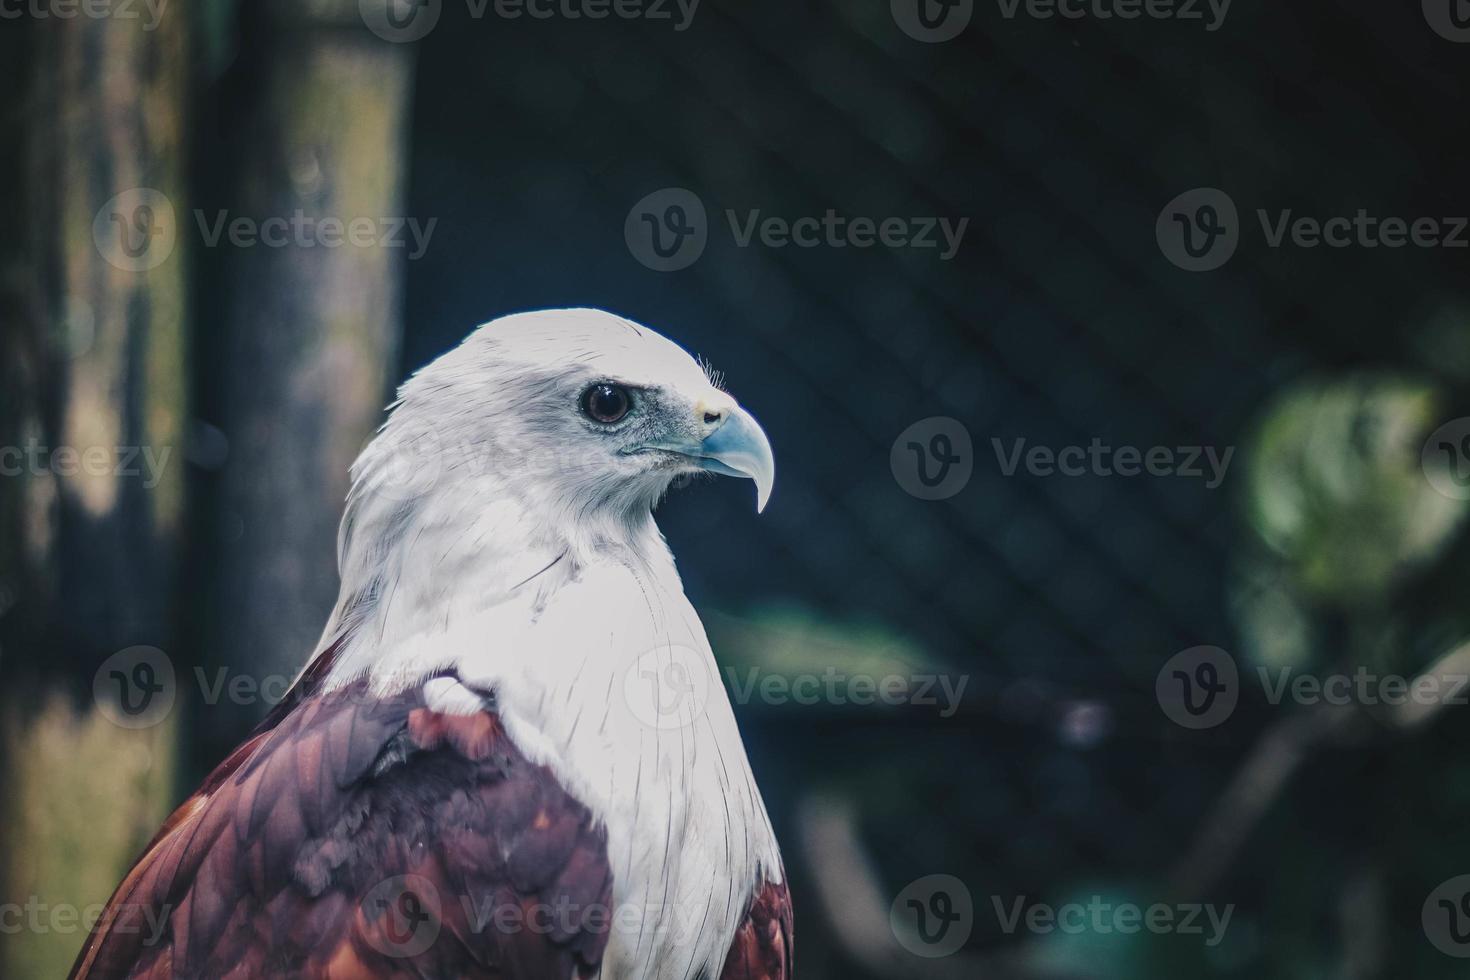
(710, 418)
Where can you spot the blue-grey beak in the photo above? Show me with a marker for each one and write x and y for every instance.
(737, 446)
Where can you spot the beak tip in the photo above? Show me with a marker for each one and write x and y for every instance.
(764, 476)
(739, 447)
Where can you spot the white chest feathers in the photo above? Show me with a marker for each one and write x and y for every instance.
(609, 681)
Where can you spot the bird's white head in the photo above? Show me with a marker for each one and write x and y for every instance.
(551, 433)
(578, 412)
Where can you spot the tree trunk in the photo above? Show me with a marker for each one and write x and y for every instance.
(308, 332)
(92, 320)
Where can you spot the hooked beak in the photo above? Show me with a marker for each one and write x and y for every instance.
(739, 447)
(732, 443)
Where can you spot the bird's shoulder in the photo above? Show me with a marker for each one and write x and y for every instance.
(365, 836)
(763, 947)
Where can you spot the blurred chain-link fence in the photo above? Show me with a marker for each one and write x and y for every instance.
(1157, 458)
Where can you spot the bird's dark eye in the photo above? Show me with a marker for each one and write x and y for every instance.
(606, 403)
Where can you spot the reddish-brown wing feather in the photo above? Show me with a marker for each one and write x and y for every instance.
(354, 837)
(762, 948)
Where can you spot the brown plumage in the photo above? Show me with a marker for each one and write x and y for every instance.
(352, 837)
(762, 949)
(334, 840)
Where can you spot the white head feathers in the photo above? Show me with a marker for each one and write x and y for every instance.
(495, 464)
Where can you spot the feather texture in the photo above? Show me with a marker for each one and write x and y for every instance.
(366, 837)
(487, 728)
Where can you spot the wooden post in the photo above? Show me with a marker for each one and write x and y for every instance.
(93, 304)
(309, 332)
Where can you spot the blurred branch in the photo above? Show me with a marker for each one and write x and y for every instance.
(1362, 917)
(1260, 780)
(851, 897)
(1280, 753)
(1447, 674)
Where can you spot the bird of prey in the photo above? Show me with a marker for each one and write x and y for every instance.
(508, 756)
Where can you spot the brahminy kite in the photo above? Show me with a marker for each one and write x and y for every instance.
(509, 756)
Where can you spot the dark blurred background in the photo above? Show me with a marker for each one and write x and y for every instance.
(523, 148)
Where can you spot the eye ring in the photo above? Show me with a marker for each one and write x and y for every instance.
(606, 403)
